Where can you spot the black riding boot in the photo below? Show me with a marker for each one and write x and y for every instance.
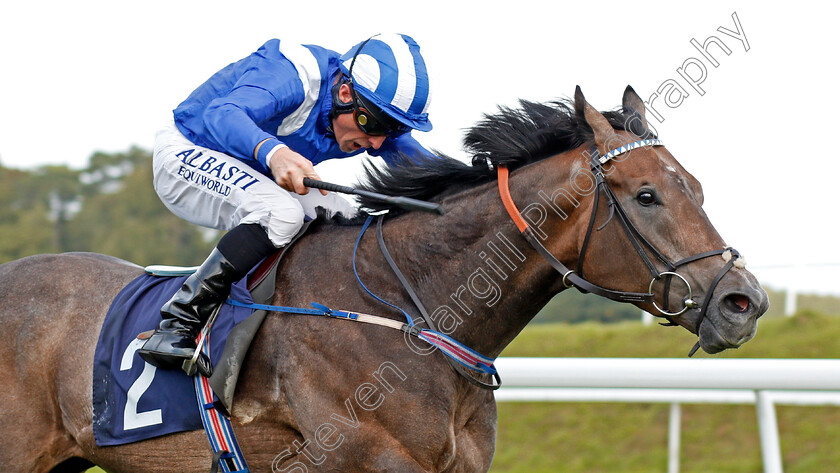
(187, 312)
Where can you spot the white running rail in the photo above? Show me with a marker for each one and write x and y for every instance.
(763, 382)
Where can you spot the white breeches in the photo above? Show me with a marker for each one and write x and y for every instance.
(212, 189)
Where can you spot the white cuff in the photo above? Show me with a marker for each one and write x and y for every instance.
(271, 154)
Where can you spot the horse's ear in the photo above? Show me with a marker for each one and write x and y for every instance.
(579, 105)
(632, 101)
(599, 124)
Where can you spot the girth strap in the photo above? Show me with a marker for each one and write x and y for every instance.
(227, 455)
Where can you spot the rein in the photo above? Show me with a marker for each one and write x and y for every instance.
(449, 346)
(457, 354)
(425, 314)
(572, 278)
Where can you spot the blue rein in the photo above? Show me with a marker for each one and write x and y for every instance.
(450, 347)
(409, 320)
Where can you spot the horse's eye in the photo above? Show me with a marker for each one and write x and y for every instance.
(646, 198)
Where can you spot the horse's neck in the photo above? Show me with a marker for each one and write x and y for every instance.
(475, 273)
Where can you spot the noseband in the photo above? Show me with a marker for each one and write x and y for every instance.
(575, 279)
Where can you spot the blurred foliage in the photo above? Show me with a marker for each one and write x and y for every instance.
(572, 306)
(818, 303)
(108, 207)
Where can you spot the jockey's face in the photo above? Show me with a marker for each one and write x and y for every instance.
(349, 136)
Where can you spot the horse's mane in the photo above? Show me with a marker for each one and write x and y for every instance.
(512, 137)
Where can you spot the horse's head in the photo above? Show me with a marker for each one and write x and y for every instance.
(625, 215)
(651, 235)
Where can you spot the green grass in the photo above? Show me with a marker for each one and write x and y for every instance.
(630, 438)
(616, 437)
(806, 335)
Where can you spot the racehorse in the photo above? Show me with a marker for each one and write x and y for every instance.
(320, 394)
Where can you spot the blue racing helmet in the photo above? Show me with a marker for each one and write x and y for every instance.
(388, 71)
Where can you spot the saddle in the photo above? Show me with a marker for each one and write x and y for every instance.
(260, 283)
(134, 401)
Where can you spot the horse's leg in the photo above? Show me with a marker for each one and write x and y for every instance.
(387, 461)
(475, 442)
(27, 417)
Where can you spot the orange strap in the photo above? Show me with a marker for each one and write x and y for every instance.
(504, 191)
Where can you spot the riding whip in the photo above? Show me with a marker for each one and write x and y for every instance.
(404, 202)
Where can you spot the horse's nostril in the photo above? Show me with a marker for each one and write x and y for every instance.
(739, 302)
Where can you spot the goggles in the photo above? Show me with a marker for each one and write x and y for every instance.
(372, 120)
(368, 117)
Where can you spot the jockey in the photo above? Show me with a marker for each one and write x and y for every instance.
(240, 145)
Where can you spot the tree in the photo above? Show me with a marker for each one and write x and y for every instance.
(123, 217)
(25, 226)
(572, 306)
(109, 207)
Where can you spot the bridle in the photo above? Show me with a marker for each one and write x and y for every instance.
(571, 278)
(575, 279)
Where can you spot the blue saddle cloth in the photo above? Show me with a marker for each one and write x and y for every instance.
(133, 400)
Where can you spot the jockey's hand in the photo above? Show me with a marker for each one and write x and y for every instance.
(289, 168)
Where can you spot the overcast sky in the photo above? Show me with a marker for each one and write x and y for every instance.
(83, 76)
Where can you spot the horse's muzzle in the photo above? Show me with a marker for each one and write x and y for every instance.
(732, 316)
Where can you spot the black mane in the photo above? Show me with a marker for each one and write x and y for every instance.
(511, 137)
